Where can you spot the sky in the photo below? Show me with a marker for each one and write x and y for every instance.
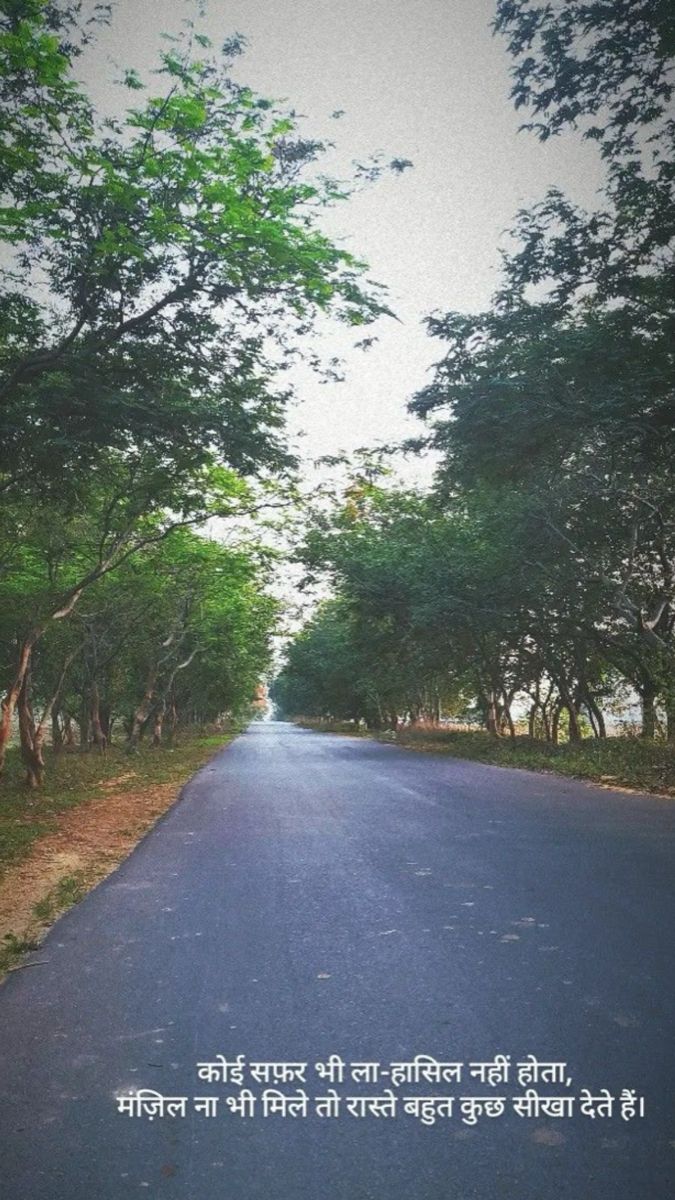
(424, 80)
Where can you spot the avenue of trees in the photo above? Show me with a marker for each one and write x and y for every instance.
(162, 265)
(159, 268)
(539, 572)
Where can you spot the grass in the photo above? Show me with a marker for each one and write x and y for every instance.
(67, 892)
(616, 761)
(12, 950)
(73, 778)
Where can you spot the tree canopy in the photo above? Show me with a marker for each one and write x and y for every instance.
(542, 564)
(161, 268)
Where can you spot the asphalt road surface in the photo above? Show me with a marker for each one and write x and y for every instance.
(313, 895)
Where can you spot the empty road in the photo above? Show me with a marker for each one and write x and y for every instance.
(313, 895)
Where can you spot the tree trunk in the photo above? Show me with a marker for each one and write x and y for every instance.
(670, 722)
(9, 701)
(57, 734)
(546, 705)
(547, 724)
(157, 726)
(84, 723)
(32, 735)
(105, 716)
(492, 715)
(574, 729)
(555, 724)
(596, 717)
(98, 736)
(31, 738)
(648, 704)
(506, 713)
(173, 723)
(141, 715)
(568, 703)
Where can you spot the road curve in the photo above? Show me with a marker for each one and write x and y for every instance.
(313, 895)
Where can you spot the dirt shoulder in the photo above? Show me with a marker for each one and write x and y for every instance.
(61, 846)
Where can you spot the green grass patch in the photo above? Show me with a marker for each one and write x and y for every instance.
(67, 892)
(13, 949)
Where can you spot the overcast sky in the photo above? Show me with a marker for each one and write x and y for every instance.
(418, 79)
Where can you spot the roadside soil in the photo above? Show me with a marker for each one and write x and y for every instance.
(83, 844)
(88, 843)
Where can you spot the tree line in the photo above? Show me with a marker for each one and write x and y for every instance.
(162, 266)
(538, 573)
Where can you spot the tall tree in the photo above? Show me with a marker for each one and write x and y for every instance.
(161, 267)
(563, 390)
(158, 257)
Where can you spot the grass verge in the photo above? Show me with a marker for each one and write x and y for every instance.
(620, 762)
(56, 844)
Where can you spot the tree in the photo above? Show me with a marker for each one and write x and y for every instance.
(321, 675)
(542, 565)
(157, 258)
(562, 391)
(55, 555)
(606, 70)
(163, 267)
(177, 634)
